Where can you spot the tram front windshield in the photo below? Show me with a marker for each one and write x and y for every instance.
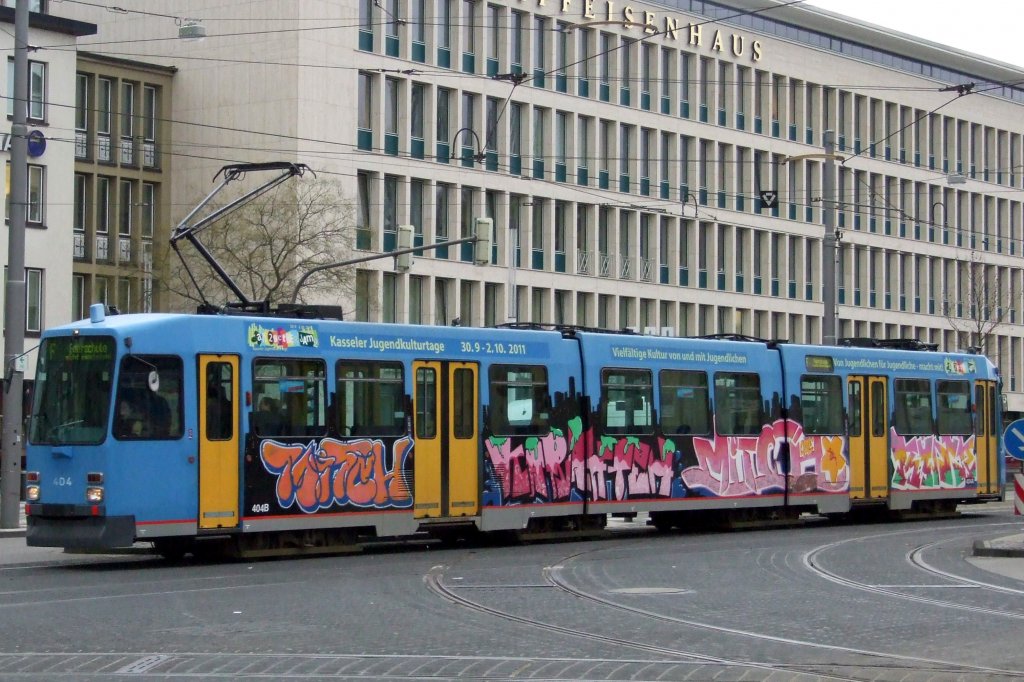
(73, 388)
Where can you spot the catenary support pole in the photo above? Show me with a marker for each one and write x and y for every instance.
(829, 251)
(12, 446)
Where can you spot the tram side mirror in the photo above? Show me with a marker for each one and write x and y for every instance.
(153, 381)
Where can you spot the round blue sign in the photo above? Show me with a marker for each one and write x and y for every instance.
(1013, 439)
(36, 143)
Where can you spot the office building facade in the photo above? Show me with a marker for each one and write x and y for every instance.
(652, 165)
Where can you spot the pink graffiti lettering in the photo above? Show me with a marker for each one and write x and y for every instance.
(546, 471)
(736, 466)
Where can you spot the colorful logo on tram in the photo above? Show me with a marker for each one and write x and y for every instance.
(280, 338)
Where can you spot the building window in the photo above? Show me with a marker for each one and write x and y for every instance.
(33, 5)
(363, 232)
(81, 204)
(441, 215)
(149, 113)
(124, 220)
(417, 94)
(34, 212)
(36, 109)
(102, 205)
(148, 210)
(101, 290)
(33, 300)
(127, 123)
(104, 97)
(443, 128)
(365, 99)
(366, 15)
(78, 297)
(417, 21)
(469, 26)
(417, 191)
(124, 294)
(81, 116)
(518, 20)
(444, 24)
(515, 124)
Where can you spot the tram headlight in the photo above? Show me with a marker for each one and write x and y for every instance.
(94, 495)
(31, 493)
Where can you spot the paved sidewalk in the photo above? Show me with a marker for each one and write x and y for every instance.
(20, 530)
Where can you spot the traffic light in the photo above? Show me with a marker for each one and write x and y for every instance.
(404, 261)
(484, 236)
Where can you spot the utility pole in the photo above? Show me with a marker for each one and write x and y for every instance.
(12, 444)
(829, 251)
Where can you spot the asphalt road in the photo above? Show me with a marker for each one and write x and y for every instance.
(888, 601)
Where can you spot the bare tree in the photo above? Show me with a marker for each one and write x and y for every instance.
(268, 244)
(978, 302)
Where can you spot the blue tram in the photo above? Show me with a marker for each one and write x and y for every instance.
(273, 434)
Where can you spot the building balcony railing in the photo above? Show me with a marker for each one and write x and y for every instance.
(102, 247)
(604, 265)
(127, 151)
(646, 269)
(81, 144)
(124, 249)
(149, 157)
(79, 245)
(626, 267)
(583, 263)
(103, 148)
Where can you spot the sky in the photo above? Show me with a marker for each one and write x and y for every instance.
(991, 28)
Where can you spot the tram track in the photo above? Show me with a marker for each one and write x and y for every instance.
(813, 562)
(836, 670)
(435, 582)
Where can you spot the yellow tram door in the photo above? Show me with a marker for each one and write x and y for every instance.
(218, 441)
(855, 432)
(878, 473)
(985, 436)
(868, 417)
(427, 452)
(446, 469)
(463, 474)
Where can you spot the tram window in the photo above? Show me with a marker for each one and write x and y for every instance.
(627, 397)
(370, 398)
(913, 408)
(71, 400)
(463, 399)
(518, 401)
(993, 411)
(854, 399)
(426, 403)
(738, 410)
(144, 410)
(685, 408)
(954, 407)
(296, 390)
(219, 407)
(821, 404)
(877, 409)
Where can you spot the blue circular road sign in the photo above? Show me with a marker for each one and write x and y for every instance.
(1013, 439)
